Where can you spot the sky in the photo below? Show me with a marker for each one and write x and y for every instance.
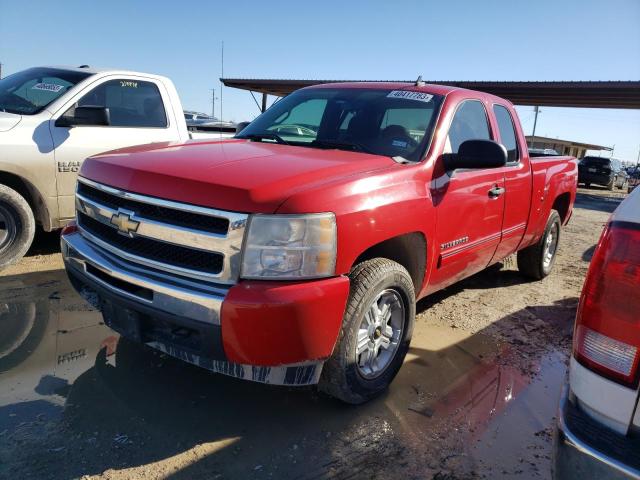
(354, 40)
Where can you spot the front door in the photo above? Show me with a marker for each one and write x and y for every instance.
(138, 116)
(469, 204)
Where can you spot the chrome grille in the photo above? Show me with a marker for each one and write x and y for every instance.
(182, 239)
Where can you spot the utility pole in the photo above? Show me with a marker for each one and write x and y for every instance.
(612, 149)
(0, 70)
(536, 109)
(638, 161)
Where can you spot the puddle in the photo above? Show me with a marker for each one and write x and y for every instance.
(48, 337)
(462, 403)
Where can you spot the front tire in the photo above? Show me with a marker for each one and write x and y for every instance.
(537, 260)
(375, 335)
(17, 226)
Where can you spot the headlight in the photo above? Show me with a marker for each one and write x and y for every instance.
(290, 246)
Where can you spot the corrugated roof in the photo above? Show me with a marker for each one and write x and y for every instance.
(593, 94)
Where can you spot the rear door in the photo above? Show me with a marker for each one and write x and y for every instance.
(469, 216)
(138, 116)
(517, 178)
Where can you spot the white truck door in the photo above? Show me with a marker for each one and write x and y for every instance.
(140, 113)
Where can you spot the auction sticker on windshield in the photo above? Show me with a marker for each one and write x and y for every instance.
(408, 95)
(49, 87)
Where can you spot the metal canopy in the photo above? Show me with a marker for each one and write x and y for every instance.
(606, 94)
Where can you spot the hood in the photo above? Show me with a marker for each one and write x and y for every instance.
(8, 121)
(236, 175)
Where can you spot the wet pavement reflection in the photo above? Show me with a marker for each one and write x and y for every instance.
(77, 400)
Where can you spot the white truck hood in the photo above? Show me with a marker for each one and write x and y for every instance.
(8, 121)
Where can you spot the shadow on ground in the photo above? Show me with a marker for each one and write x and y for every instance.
(597, 201)
(44, 243)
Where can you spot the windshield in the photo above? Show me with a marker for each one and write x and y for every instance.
(394, 123)
(30, 91)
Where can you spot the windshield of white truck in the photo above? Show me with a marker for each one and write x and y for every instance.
(30, 91)
(394, 123)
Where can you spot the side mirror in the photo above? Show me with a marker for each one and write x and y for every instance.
(477, 154)
(86, 115)
(241, 126)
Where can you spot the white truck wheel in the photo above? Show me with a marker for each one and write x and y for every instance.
(17, 226)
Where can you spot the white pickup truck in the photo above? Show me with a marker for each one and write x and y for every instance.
(51, 119)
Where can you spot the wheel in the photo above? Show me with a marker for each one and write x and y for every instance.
(17, 226)
(375, 335)
(537, 260)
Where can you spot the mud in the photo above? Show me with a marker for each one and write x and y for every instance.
(476, 397)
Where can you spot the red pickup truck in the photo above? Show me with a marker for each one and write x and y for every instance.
(295, 253)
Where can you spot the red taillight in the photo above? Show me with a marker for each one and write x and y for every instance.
(607, 334)
(72, 227)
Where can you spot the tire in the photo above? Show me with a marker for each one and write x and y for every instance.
(384, 283)
(533, 261)
(17, 226)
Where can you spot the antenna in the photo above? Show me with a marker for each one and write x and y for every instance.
(221, 77)
(420, 82)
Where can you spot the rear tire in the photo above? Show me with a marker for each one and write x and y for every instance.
(370, 350)
(537, 260)
(17, 226)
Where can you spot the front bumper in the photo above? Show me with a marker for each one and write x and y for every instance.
(587, 450)
(272, 332)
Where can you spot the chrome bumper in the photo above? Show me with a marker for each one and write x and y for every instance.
(186, 299)
(575, 458)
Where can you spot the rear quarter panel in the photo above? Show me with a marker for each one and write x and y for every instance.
(552, 177)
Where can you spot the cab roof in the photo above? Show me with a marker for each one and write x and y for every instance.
(427, 88)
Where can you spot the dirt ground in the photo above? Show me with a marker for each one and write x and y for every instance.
(476, 397)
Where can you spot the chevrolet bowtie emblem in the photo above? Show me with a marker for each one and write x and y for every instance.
(124, 223)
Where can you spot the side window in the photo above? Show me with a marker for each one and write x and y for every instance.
(507, 132)
(131, 103)
(469, 123)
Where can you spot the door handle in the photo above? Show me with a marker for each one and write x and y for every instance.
(496, 191)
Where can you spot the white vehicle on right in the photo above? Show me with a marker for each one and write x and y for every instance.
(598, 427)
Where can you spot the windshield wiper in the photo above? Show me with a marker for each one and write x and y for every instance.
(258, 137)
(354, 147)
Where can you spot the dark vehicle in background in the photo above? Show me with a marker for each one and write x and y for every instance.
(607, 172)
(634, 178)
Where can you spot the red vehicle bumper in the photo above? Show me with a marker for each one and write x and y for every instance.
(274, 323)
(268, 331)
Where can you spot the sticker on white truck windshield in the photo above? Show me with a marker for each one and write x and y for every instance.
(408, 95)
(48, 87)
